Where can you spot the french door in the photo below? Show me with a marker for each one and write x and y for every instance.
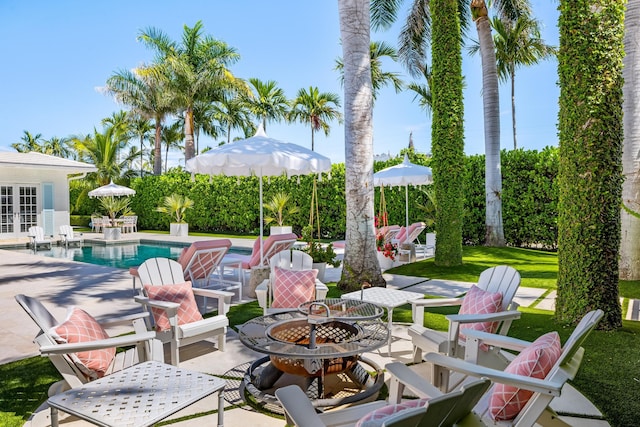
(18, 209)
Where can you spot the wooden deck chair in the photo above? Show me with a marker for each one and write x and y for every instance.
(68, 236)
(503, 280)
(523, 412)
(428, 412)
(182, 325)
(292, 260)
(36, 234)
(64, 356)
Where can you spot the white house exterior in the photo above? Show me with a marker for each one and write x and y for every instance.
(34, 190)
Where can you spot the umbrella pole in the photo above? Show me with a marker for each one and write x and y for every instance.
(406, 212)
(261, 241)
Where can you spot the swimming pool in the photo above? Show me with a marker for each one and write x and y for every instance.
(120, 255)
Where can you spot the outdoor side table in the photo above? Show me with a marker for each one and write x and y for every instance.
(384, 297)
(140, 395)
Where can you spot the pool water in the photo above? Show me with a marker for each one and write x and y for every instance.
(120, 255)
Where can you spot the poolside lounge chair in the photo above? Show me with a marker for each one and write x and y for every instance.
(77, 368)
(441, 410)
(388, 232)
(522, 392)
(409, 235)
(489, 306)
(272, 245)
(171, 301)
(36, 234)
(292, 261)
(68, 236)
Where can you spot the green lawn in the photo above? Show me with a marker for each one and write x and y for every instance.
(609, 376)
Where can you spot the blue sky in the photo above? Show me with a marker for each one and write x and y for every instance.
(55, 55)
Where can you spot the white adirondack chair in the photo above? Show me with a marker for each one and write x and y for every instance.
(164, 271)
(436, 412)
(69, 237)
(536, 411)
(289, 260)
(36, 234)
(146, 346)
(502, 279)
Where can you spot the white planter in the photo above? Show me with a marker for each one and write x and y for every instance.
(321, 267)
(111, 233)
(179, 229)
(385, 263)
(280, 230)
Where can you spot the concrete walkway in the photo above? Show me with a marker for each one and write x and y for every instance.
(106, 291)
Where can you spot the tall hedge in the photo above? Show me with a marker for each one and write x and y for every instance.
(447, 130)
(590, 169)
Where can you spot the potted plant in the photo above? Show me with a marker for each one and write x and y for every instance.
(387, 252)
(176, 206)
(321, 255)
(114, 207)
(279, 213)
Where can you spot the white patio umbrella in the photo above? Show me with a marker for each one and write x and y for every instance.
(260, 156)
(111, 190)
(403, 174)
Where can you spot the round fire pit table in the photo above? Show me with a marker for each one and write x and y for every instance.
(319, 347)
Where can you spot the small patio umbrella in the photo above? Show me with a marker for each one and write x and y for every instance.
(403, 174)
(111, 190)
(260, 156)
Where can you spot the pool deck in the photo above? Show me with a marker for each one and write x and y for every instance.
(105, 291)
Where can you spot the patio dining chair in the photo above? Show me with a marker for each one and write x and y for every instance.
(81, 350)
(487, 306)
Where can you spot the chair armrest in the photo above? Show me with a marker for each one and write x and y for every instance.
(170, 307)
(261, 293)
(489, 317)
(496, 340)
(321, 290)
(122, 320)
(124, 340)
(223, 297)
(401, 377)
(418, 305)
(547, 387)
(297, 407)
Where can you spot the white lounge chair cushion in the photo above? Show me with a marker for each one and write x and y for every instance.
(478, 301)
(180, 293)
(292, 288)
(80, 326)
(376, 418)
(534, 361)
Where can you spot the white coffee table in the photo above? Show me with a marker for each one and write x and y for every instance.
(139, 396)
(385, 297)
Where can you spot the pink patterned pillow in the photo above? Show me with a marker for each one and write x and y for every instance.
(478, 301)
(377, 417)
(292, 288)
(80, 326)
(179, 293)
(534, 361)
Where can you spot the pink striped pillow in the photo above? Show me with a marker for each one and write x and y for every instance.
(292, 288)
(80, 326)
(377, 417)
(534, 361)
(179, 293)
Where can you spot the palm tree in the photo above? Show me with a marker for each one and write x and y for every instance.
(379, 78)
(171, 136)
(423, 91)
(518, 43)
(629, 253)
(29, 143)
(147, 96)
(360, 260)
(232, 113)
(55, 146)
(315, 109)
(140, 128)
(198, 70)
(267, 101)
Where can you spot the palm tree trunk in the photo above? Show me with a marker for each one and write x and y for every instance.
(189, 145)
(629, 251)
(157, 149)
(312, 142)
(513, 107)
(360, 260)
(491, 103)
(141, 148)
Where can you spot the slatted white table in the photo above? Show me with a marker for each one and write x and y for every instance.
(138, 396)
(384, 297)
